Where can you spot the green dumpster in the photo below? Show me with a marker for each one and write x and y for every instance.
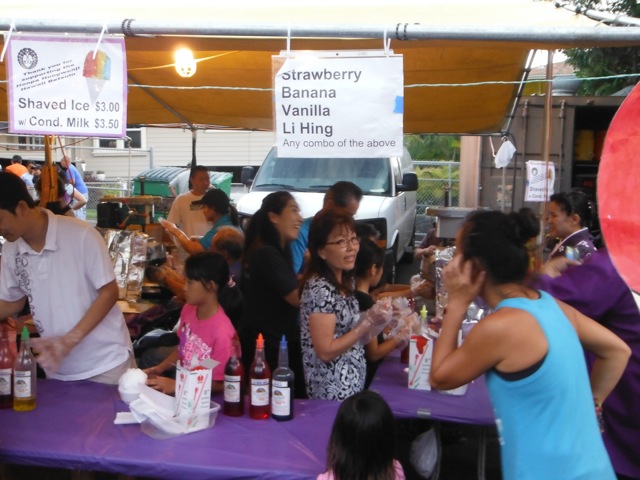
(156, 181)
(222, 181)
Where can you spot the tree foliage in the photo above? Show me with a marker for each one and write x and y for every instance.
(600, 62)
(433, 147)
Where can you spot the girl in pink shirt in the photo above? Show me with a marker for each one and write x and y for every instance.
(204, 330)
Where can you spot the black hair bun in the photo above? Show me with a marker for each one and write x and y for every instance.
(525, 225)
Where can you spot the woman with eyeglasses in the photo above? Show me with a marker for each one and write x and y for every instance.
(569, 216)
(332, 354)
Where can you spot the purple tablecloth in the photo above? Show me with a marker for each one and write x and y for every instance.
(72, 427)
(474, 407)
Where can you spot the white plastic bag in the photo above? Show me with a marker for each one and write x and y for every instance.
(425, 453)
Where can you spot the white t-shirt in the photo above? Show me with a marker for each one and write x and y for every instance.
(61, 282)
(189, 218)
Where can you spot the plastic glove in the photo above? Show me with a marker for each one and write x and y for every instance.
(402, 338)
(373, 321)
(410, 323)
(402, 333)
(401, 308)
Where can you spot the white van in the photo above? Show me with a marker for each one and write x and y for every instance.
(389, 186)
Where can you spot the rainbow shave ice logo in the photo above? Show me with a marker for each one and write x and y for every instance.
(96, 71)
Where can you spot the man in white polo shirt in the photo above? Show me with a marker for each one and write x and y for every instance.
(61, 265)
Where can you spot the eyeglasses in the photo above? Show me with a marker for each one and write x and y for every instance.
(342, 243)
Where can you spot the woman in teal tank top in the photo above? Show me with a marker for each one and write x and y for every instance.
(531, 349)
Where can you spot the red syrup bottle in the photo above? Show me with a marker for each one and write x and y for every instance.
(259, 379)
(233, 404)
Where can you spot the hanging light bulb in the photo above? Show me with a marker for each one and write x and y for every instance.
(185, 63)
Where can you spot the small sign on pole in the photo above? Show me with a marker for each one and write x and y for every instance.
(540, 178)
(339, 104)
(69, 85)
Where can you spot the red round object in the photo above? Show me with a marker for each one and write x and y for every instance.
(619, 190)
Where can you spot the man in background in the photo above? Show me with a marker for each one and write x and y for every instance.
(180, 183)
(74, 177)
(342, 194)
(187, 216)
(16, 167)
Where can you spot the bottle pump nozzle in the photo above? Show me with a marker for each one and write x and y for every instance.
(260, 341)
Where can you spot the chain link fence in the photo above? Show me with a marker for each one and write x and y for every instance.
(97, 190)
(437, 180)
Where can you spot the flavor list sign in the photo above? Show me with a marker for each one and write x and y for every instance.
(63, 85)
(345, 105)
(540, 178)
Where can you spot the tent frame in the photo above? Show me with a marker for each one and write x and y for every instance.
(539, 37)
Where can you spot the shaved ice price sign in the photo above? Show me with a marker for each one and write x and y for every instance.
(67, 85)
(339, 105)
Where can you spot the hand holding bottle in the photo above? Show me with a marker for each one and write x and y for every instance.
(51, 351)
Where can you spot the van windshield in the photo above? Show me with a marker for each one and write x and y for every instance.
(372, 175)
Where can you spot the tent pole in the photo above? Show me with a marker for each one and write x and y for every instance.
(546, 149)
(539, 37)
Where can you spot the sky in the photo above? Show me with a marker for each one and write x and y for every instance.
(541, 56)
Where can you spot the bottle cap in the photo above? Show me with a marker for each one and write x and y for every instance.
(25, 334)
(423, 312)
(283, 342)
(260, 341)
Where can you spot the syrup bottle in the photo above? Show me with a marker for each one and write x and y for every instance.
(6, 370)
(233, 404)
(259, 377)
(24, 377)
(282, 386)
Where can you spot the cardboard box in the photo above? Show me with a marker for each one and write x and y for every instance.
(420, 354)
(193, 396)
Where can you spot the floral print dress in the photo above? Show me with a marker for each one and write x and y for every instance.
(345, 375)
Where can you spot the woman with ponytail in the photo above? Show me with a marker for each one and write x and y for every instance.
(531, 349)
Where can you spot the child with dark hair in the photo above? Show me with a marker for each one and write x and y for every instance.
(368, 272)
(362, 442)
(531, 348)
(204, 330)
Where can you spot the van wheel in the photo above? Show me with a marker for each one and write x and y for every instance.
(407, 257)
(392, 267)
